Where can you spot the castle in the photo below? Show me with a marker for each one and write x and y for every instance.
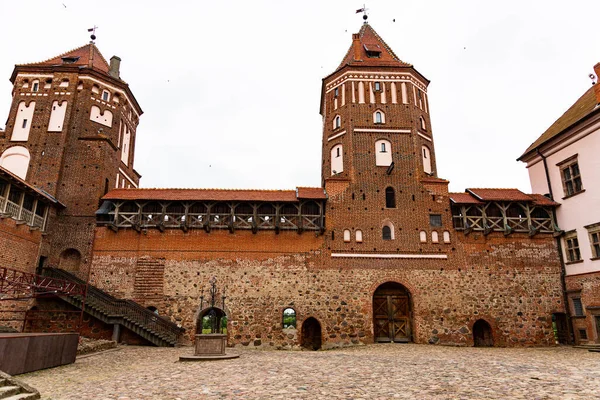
(382, 252)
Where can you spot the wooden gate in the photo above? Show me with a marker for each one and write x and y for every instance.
(391, 313)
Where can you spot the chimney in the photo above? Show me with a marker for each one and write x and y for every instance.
(356, 46)
(597, 85)
(115, 65)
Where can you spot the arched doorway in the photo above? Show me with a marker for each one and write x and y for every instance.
(70, 260)
(392, 313)
(311, 334)
(482, 334)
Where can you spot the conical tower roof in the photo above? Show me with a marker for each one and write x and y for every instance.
(87, 55)
(371, 50)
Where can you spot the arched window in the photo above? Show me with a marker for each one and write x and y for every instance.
(434, 237)
(383, 153)
(426, 159)
(358, 236)
(423, 236)
(337, 122)
(387, 230)
(289, 318)
(346, 235)
(446, 237)
(386, 233)
(16, 160)
(337, 159)
(378, 117)
(390, 197)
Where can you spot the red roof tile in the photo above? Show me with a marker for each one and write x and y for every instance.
(215, 194)
(21, 182)
(584, 106)
(371, 40)
(463, 198)
(84, 53)
(499, 194)
(311, 193)
(541, 200)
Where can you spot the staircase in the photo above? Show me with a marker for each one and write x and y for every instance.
(127, 313)
(593, 347)
(12, 389)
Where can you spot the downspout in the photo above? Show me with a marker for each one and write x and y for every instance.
(563, 270)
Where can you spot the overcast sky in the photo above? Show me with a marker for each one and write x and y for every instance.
(230, 89)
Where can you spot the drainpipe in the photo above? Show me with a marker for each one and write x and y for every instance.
(563, 270)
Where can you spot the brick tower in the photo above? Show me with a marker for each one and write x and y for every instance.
(71, 132)
(379, 164)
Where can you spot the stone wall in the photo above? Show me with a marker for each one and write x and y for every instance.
(587, 288)
(511, 282)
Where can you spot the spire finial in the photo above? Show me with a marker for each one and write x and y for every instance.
(363, 10)
(93, 35)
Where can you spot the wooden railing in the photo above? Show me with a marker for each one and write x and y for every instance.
(126, 309)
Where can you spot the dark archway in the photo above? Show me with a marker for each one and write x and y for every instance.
(311, 334)
(211, 320)
(482, 334)
(70, 259)
(392, 313)
(560, 327)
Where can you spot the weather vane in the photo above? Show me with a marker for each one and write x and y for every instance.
(363, 10)
(93, 30)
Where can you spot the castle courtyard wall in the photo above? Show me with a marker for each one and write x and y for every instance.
(512, 282)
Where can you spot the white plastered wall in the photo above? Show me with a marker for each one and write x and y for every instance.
(337, 159)
(579, 210)
(105, 118)
(125, 147)
(23, 121)
(383, 158)
(57, 116)
(16, 160)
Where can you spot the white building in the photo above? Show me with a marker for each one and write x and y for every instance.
(564, 163)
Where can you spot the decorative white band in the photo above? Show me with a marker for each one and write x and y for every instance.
(382, 130)
(336, 136)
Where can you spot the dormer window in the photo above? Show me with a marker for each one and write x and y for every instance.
(35, 86)
(377, 86)
(69, 60)
(105, 95)
(373, 50)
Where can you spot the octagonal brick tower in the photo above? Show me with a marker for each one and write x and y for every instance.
(379, 164)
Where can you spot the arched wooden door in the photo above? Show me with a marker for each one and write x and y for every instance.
(392, 313)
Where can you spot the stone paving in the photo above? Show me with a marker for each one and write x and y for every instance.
(384, 371)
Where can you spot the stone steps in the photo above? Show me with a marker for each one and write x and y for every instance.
(12, 389)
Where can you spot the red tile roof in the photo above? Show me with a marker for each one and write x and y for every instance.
(584, 106)
(371, 40)
(215, 194)
(499, 194)
(29, 187)
(85, 53)
(463, 198)
(478, 196)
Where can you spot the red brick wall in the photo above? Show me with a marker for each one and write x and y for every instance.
(19, 249)
(587, 288)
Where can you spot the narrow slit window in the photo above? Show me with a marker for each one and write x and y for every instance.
(390, 198)
(24, 123)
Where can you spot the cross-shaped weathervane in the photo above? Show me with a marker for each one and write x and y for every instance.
(93, 30)
(363, 10)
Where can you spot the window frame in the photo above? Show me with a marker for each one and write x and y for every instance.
(377, 86)
(594, 238)
(431, 221)
(35, 86)
(569, 182)
(390, 197)
(577, 305)
(572, 249)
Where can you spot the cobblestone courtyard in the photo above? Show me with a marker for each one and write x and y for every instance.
(385, 371)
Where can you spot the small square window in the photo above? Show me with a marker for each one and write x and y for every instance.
(105, 95)
(572, 247)
(582, 334)
(435, 220)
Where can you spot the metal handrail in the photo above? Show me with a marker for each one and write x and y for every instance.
(127, 309)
